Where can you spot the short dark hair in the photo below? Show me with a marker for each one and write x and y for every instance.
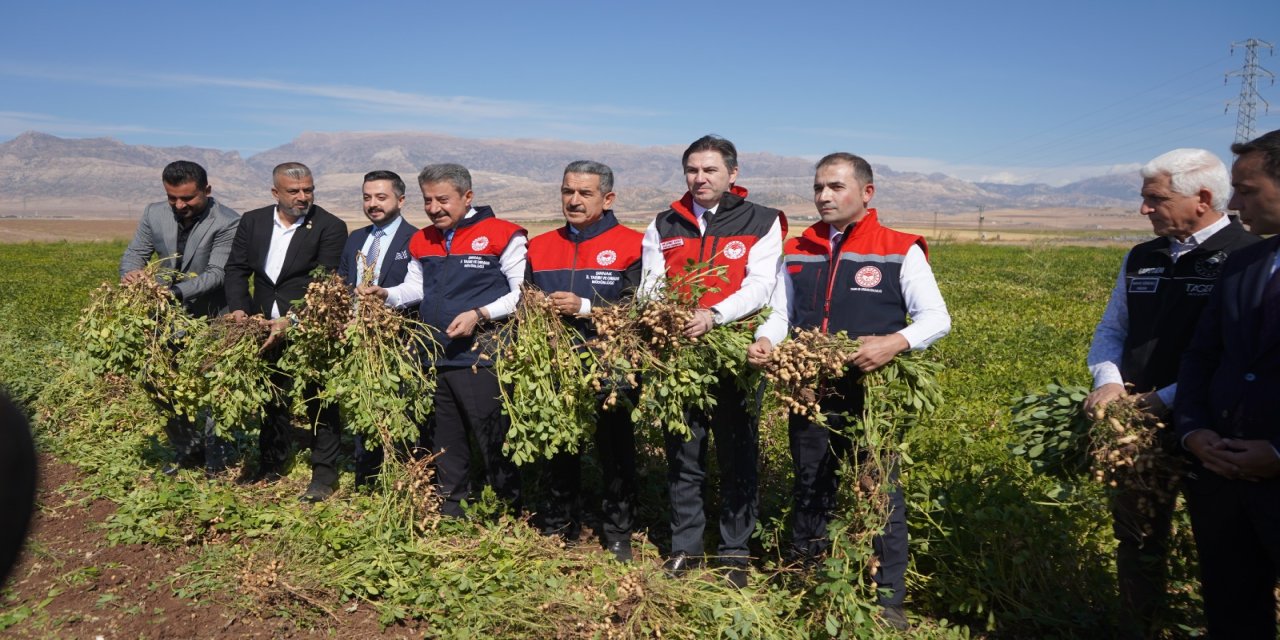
(593, 168)
(1268, 144)
(713, 142)
(184, 171)
(397, 184)
(861, 168)
(455, 174)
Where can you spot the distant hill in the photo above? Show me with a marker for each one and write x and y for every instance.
(45, 175)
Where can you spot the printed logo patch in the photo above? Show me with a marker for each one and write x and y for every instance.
(671, 244)
(735, 250)
(1143, 285)
(479, 243)
(867, 277)
(606, 257)
(1210, 267)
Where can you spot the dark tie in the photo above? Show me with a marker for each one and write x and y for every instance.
(448, 240)
(835, 248)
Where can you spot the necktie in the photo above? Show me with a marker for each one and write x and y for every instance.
(448, 240)
(835, 247)
(371, 258)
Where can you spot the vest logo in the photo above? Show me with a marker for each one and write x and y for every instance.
(1210, 267)
(480, 243)
(1150, 270)
(1143, 285)
(1199, 289)
(671, 244)
(606, 257)
(735, 250)
(867, 277)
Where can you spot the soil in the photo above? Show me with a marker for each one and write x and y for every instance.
(78, 585)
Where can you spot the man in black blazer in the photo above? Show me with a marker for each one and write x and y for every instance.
(1228, 413)
(278, 247)
(383, 249)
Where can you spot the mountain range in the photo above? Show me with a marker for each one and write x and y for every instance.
(46, 176)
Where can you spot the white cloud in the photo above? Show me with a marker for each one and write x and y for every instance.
(1052, 176)
(13, 123)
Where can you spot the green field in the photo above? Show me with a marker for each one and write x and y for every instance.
(996, 549)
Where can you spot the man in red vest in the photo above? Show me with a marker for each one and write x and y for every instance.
(466, 271)
(715, 224)
(848, 273)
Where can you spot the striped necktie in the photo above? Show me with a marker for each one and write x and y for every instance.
(371, 258)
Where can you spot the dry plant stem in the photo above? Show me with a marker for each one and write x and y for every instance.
(1128, 456)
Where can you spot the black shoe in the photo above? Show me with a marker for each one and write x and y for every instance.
(680, 563)
(316, 493)
(895, 617)
(621, 550)
(737, 577)
(567, 534)
(263, 476)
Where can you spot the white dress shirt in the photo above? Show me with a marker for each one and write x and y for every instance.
(511, 262)
(281, 236)
(1107, 348)
(388, 232)
(758, 284)
(920, 294)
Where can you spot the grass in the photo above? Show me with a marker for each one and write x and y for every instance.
(991, 550)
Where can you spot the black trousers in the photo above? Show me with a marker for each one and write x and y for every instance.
(615, 443)
(273, 440)
(1141, 556)
(469, 405)
(1237, 529)
(816, 453)
(737, 453)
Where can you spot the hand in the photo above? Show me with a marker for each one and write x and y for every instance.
(277, 334)
(133, 276)
(1151, 403)
(701, 322)
(1255, 459)
(1210, 448)
(876, 351)
(237, 316)
(565, 303)
(372, 290)
(1102, 396)
(758, 351)
(463, 325)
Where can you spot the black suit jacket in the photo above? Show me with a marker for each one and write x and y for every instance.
(1229, 380)
(393, 268)
(317, 242)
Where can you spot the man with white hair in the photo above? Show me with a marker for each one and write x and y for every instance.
(1163, 286)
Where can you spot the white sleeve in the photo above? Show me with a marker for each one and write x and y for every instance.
(760, 280)
(409, 292)
(775, 327)
(584, 309)
(512, 264)
(925, 306)
(1108, 337)
(653, 263)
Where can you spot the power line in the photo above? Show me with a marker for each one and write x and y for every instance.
(1247, 103)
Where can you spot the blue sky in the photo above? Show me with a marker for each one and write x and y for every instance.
(1009, 91)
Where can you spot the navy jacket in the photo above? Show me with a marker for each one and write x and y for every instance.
(393, 268)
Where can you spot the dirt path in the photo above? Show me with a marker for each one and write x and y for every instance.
(72, 583)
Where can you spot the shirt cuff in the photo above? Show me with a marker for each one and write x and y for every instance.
(585, 308)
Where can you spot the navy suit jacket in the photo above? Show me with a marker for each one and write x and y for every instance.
(1229, 380)
(393, 268)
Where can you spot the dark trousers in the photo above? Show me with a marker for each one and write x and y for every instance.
(273, 439)
(1141, 557)
(816, 453)
(1237, 529)
(615, 442)
(195, 443)
(469, 404)
(737, 453)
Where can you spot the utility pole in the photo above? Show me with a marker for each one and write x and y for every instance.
(1248, 100)
(935, 224)
(982, 208)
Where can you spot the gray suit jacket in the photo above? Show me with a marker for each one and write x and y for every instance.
(208, 246)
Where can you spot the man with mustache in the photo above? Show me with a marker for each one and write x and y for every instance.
(848, 273)
(191, 233)
(591, 261)
(380, 250)
(466, 271)
(278, 247)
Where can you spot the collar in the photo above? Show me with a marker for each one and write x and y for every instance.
(390, 228)
(606, 222)
(1196, 239)
(275, 218)
(199, 217)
